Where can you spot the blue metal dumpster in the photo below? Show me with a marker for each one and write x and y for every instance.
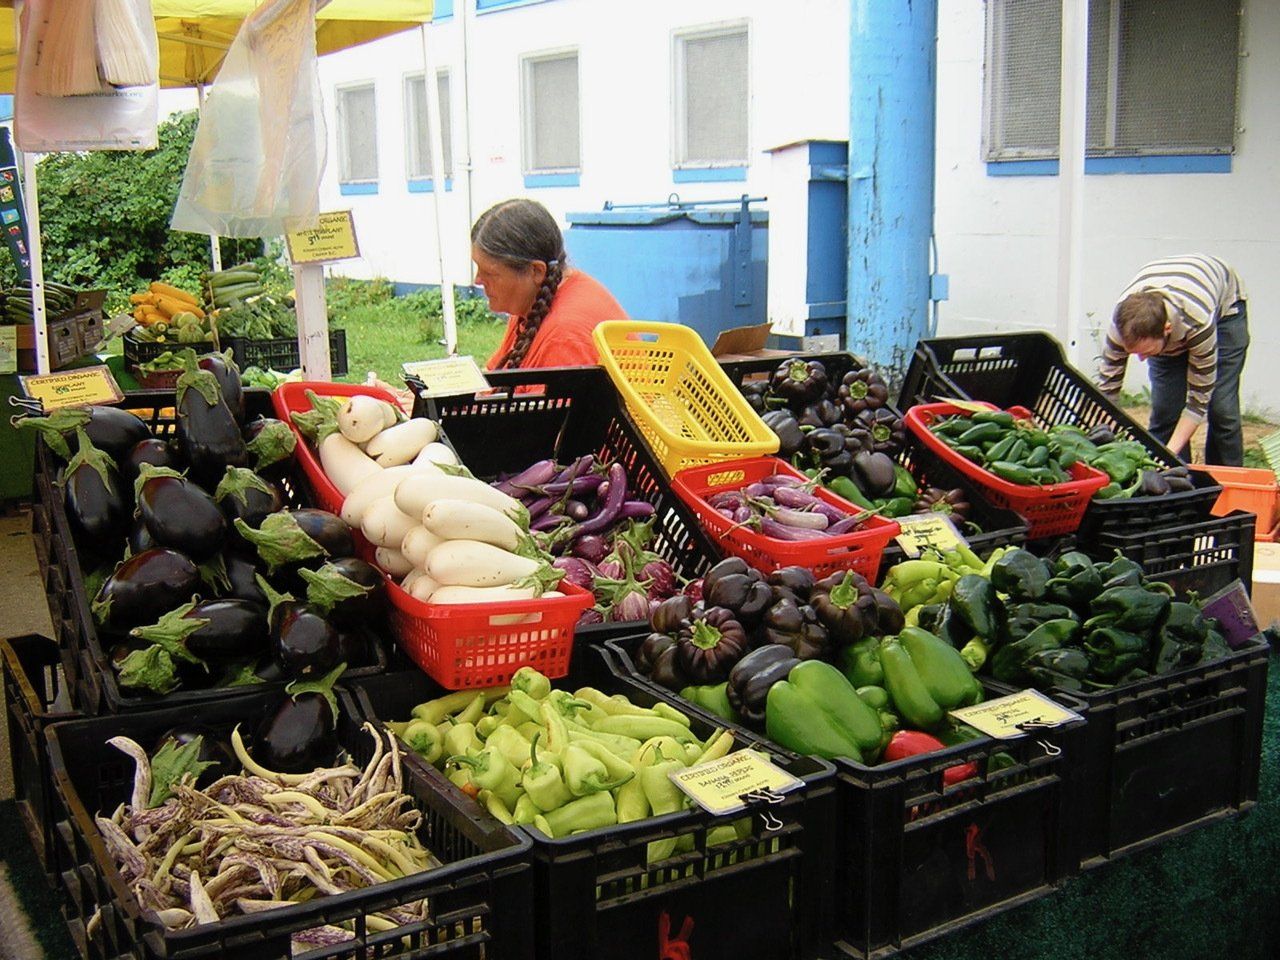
(701, 264)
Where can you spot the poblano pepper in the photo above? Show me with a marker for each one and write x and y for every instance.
(1075, 581)
(1135, 609)
(1025, 617)
(817, 711)
(1007, 664)
(1114, 652)
(974, 599)
(1121, 572)
(1020, 574)
(1065, 667)
(1181, 639)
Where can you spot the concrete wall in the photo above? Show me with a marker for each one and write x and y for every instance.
(997, 236)
(799, 89)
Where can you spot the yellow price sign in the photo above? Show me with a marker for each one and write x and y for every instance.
(928, 531)
(450, 377)
(334, 238)
(719, 786)
(74, 388)
(1017, 715)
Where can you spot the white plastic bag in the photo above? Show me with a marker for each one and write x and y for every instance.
(259, 150)
(114, 118)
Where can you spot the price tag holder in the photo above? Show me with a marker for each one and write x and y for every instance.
(74, 388)
(719, 786)
(1234, 612)
(334, 238)
(1017, 715)
(928, 531)
(450, 377)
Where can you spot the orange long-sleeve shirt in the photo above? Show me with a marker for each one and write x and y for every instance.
(564, 336)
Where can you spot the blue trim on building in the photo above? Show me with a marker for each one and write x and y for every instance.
(428, 185)
(363, 189)
(708, 174)
(1105, 166)
(442, 10)
(552, 179)
(490, 6)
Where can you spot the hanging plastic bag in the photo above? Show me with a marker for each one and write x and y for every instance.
(259, 151)
(87, 76)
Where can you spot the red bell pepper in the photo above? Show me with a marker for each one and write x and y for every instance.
(913, 743)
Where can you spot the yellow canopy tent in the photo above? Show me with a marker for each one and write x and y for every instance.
(194, 37)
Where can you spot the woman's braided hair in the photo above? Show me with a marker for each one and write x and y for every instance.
(518, 232)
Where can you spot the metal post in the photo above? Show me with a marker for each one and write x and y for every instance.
(1071, 146)
(435, 138)
(39, 314)
(893, 72)
(215, 245)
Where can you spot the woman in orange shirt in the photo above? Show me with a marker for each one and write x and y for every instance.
(520, 262)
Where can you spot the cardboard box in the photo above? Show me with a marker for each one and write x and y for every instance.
(1266, 583)
(746, 343)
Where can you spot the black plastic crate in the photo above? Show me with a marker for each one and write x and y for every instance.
(478, 898)
(563, 414)
(137, 352)
(597, 896)
(1201, 557)
(36, 695)
(1169, 754)
(87, 661)
(282, 353)
(1030, 370)
(997, 527)
(915, 859)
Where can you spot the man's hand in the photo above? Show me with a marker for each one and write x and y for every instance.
(1183, 433)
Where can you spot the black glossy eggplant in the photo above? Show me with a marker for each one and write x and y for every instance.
(145, 587)
(97, 502)
(243, 495)
(112, 430)
(208, 433)
(293, 539)
(140, 538)
(154, 451)
(296, 734)
(242, 583)
(180, 514)
(347, 590)
(271, 444)
(213, 751)
(215, 631)
(303, 641)
(224, 368)
(355, 645)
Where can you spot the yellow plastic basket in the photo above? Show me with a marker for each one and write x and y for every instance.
(688, 411)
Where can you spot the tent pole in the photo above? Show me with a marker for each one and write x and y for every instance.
(1071, 149)
(438, 180)
(35, 248)
(215, 245)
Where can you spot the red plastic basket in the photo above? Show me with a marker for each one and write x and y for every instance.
(292, 398)
(858, 551)
(482, 645)
(1050, 511)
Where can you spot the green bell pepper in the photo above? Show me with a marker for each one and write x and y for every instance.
(860, 663)
(714, 698)
(817, 711)
(925, 678)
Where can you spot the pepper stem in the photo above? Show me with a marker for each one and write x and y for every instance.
(844, 594)
(704, 636)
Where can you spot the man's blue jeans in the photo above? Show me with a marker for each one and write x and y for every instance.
(1224, 441)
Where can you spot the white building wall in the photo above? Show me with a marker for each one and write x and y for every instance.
(997, 236)
(799, 89)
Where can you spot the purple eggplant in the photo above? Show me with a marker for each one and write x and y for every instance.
(224, 368)
(592, 548)
(208, 432)
(290, 540)
(303, 641)
(662, 579)
(215, 631)
(271, 444)
(111, 430)
(242, 583)
(145, 587)
(528, 479)
(296, 734)
(179, 514)
(212, 750)
(348, 591)
(154, 451)
(243, 495)
(576, 571)
(140, 538)
(97, 502)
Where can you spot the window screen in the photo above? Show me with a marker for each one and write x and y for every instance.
(551, 114)
(712, 84)
(1161, 77)
(357, 134)
(419, 143)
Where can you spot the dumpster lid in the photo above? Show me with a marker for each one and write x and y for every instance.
(653, 214)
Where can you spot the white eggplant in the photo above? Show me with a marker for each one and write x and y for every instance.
(384, 484)
(400, 444)
(437, 453)
(451, 595)
(384, 525)
(467, 520)
(392, 561)
(418, 544)
(413, 576)
(363, 417)
(344, 463)
(423, 588)
(470, 563)
(416, 494)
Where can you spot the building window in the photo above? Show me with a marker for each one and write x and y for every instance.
(357, 135)
(552, 141)
(1161, 78)
(417, 139)
(712, 98)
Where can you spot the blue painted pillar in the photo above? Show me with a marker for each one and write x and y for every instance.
(893, 73)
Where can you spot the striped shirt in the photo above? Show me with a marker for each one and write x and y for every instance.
(1201, 290)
